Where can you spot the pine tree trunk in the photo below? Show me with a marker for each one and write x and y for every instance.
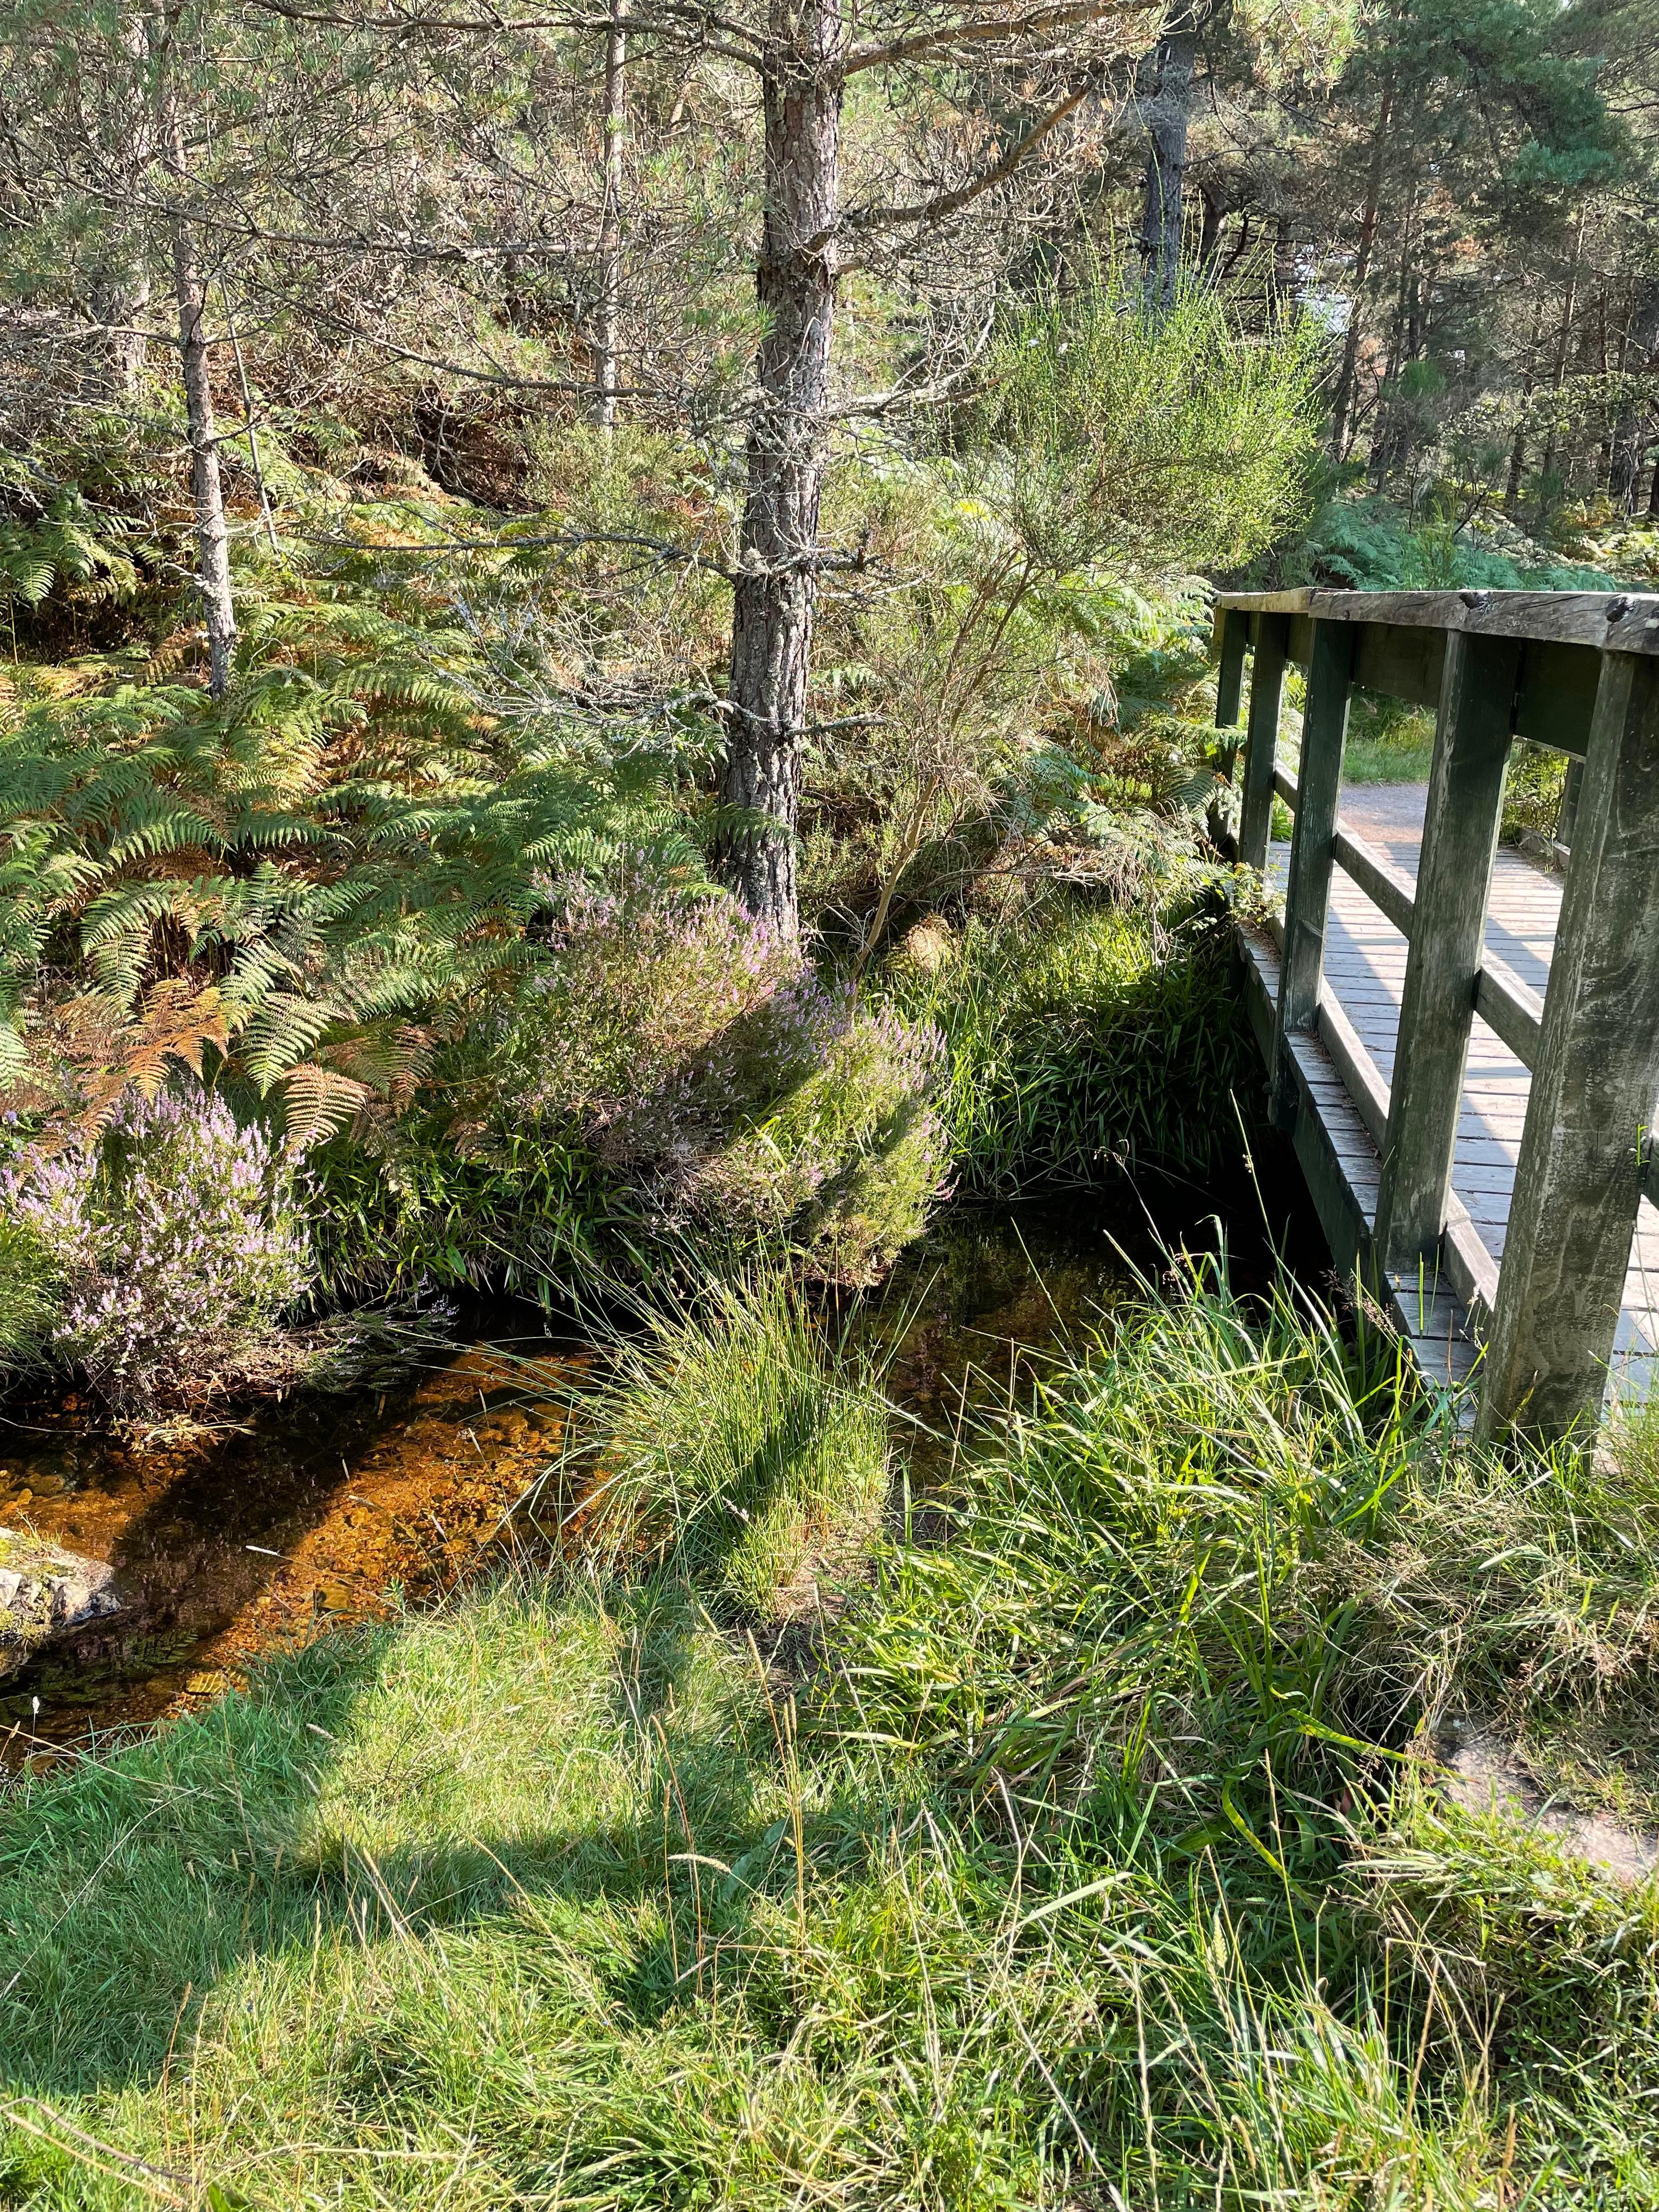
(777, 581)
(609, 314)
(1632, 425)
(212, 538)
(1388, 436)
(1168, 116)
(121, 292)
(118, 302)
(1569, 309)
(1518, 448)
(1362, 263)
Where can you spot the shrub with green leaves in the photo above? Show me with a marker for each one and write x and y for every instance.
(1172, 439)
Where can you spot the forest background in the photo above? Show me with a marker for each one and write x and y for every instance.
(472, 484)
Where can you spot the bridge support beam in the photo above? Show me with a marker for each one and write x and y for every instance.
(1230, 675)
(1449, 919)
(1313, 851)
(1594, 1085)
(1273, 650)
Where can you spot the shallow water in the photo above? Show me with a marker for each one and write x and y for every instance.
(322, 1511)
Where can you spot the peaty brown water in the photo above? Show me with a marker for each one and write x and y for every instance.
(318, 1511)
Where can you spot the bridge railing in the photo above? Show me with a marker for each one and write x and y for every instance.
(1577, 672)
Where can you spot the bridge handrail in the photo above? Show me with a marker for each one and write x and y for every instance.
(1578, 670)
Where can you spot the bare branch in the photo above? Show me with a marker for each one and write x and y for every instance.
(979, 28)
(935, 211)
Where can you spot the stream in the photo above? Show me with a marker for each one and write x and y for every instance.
(323, 1511)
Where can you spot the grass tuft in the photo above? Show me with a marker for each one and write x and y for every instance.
(739, 1451)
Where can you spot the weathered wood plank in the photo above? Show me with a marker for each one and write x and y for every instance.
(1307, 897)
(1448, 930)
(1235, 627)
(1620, 621)
(1512, 1009)
(1390, 892)
(1272, 639)
(1594, 1087)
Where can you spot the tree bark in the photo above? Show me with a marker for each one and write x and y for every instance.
(120, 293)
(118, 302)
(608, 314)
(1569, 309)
(776, 585)
(1389, 434)
(1518, 447)
(1167, 114)
(1633, 424)
(1362, 263)
(189, 291)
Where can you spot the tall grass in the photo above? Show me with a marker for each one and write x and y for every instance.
(736, 1449)
(1085, 1040)
(1099, 1863)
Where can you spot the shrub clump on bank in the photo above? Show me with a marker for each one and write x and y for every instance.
(737, 1452)
(723, 1087)
(168, 1245)
(165, 1262)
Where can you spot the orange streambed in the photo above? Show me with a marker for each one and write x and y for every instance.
(318, 1512)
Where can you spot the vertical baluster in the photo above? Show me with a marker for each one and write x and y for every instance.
(1272, 642)
(1453, 883)
(1319, 781)
(1230, 675)
(1594, 1087)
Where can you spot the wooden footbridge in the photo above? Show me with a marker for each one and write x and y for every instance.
(1463, 1047)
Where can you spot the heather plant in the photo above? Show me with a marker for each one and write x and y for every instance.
(178, 1241)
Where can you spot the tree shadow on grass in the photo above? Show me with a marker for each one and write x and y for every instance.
(321, 1814)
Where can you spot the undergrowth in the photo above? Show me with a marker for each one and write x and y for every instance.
(1083, 1039)
(1093, 1857)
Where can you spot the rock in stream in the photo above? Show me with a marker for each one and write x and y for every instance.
(43, 1594)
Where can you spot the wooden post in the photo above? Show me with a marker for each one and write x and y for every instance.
(1319, 781)
(1454, 881)
(1230, 679)
(1273, 642)
(1594, 1087)
(1230, 676)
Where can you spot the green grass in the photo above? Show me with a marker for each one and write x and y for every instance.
(1533, 791)
(29, 1297)
(1387, 740)
(736, 1450)
(1093, 1860)
(1084, 1039)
